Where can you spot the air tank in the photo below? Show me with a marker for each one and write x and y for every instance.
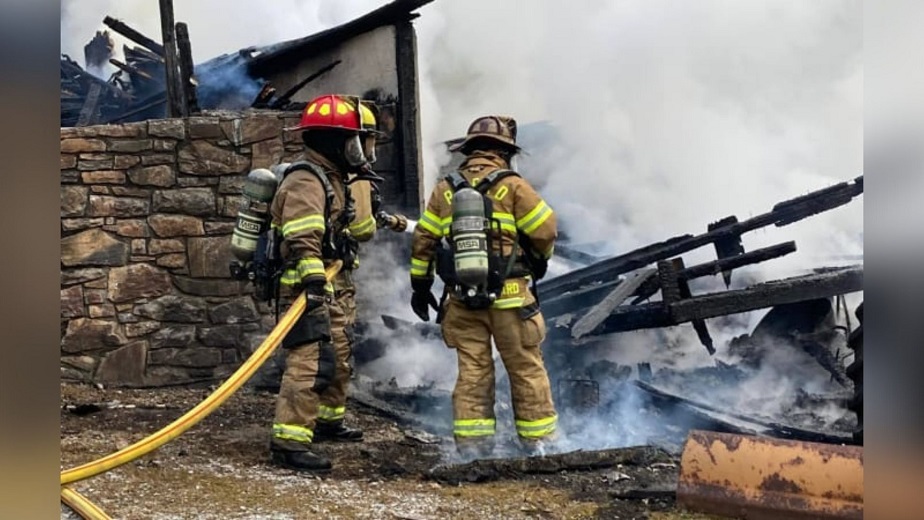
(253, 215)
(469, 238)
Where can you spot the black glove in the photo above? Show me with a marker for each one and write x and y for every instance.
(422, 298)
(315, 292)
(540, 266)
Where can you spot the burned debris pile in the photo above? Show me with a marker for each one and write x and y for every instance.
(137, 90)
(649, 288)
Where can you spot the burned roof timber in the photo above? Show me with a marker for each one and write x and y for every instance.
(286, 54)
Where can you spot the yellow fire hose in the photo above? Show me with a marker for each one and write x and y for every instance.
(199, 412)
(83, 507)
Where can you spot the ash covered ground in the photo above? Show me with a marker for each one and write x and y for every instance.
(219, 469)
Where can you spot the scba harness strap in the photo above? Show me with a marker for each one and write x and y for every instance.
(498, 272)
(333, 244)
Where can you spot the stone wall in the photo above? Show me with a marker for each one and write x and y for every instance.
(146, 215)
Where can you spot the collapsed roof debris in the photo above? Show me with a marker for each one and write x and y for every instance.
(244, 79)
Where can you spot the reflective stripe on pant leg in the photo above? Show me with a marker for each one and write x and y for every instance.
(331, 413)
(537, 428)
(293, 432)
(474, 427)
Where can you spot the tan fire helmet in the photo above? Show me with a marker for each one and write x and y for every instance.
(502, 129)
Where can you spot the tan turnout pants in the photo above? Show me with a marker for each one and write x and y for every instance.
(316, 376)
(470, 332)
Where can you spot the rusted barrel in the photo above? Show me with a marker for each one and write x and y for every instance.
(760, 478)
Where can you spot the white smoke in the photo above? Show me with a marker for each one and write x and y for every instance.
(672, 115)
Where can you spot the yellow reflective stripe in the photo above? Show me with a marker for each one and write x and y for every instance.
(535, 218)
(304, 267)
(309, 266)
(548, 254)
(538, 428)
(431, 223)
(364, 227)
(331, 413)
(446, 224)
(302, 224)
(507, 221)
(473, 427)
(292, 432)
(419, 267)
(509, 303)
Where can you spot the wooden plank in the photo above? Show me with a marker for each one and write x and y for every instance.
(187, 80)
(596, 315)
(175, 104)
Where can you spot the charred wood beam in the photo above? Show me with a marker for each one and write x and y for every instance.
(287, 95)
(599, 312)
(175, 99)
(586, 297)
(130, 69)
(770, 428)
(133, 35)
(769, 294)
(511, 468)
(187, 79)
(760, 296)
(782, 214)
(153, 101)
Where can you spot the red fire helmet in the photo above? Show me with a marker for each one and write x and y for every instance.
(330, 112)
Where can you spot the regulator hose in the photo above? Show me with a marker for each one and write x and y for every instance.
(203, 409)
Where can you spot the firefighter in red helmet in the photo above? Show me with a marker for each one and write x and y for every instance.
(313, 212)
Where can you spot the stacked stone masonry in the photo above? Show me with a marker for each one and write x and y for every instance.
(147, 211)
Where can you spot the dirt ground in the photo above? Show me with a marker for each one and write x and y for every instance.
(219, 469)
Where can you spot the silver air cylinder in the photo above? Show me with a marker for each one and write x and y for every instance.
(469, 238)
(253, 216)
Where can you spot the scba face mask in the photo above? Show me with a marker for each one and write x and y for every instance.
(353, 152)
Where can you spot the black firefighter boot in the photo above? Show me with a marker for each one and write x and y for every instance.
(302, 459)
(336, 431)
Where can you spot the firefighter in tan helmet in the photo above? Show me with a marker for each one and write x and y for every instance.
(316, 217)
(499, 237)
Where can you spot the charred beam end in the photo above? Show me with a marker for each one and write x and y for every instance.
(184, 49)
(133, 35)
(129, 69)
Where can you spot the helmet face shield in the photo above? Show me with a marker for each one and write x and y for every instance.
(369, 147)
